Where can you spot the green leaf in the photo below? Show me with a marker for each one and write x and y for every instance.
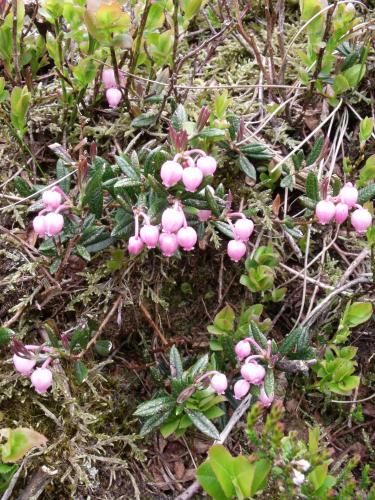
(79, 339)
(127, 168)
(257, 335)
(19, 105)
(247, 167)
(199, 366)
(155, 406)
(202, 423)
(18, 442)
(126, 183)
(358, 313)
(211, 133)
(154, 161)
(365, 129)
(190, 8)
(243, 472)
(179, 117)
(168, 428)
(6, 335)
(312, 186)
(315, 151)
(144, 120)
(103, 347)
(221, 462)
(262, 469)
(175, 363)
(340, 84)
(354, 74)
(22, 186)
(153, 422)
(208, 480)
(80, 372)
(61, 171)
(269, 382)
(290, 341)
(84, 72)
(224, 228)
(224, 319)
(82, 252)
(366, 194)
(318, 475)
(94, 193)
(287, 182)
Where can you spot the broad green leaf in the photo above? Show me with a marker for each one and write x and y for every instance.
(202, 423)
(358, 313)
(18, 442)
(221, 462)
(190, 8)
(367, 193)
(318, 475)
(168, 428)
(224, 319)
(85, 71)
(103, 347)
(262, 469)
(243, 471)
(208, 480)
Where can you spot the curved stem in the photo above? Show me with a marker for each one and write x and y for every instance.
(145, 218)
(237, 214)
(136, 220)
(47, 362)
(205, 375)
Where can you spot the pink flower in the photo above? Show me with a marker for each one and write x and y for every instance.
(187, 238)
(325, 211)
(135, 245)
(243, 229)
(54, 223)
(264, 399)
(219, 383)
(241, 388)
(150, 235)
(109, 78)
(341, 213)
(24, 366)
(191, 178)
(236, 250)
(253, 373)
(171, 173)
(242, 349)
(172, 219)
(361, 220)
(349, 195)
(204, 215)
(207, 165)
(39, 225)
(113, 97)
(51, 199)
(168, 244)
(41, 379)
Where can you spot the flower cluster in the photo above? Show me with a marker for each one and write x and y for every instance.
(189, 168)
(175, 233)
(49, 221)
(252, 372)
(113, 93)
(337, 208)
(25, 363)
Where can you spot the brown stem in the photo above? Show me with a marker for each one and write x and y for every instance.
(152, 323)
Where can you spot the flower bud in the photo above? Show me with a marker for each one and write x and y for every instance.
(109, 78)
(204, 215)
(191, 178)
(207, 165)
(135, 245)
(242, 349)
(113, 97)
(341, 213)
(253, 373)
(241, 388)
(53, 223)
(168, 244)
(219, 383)
(243, 229)
(171, 173)
(236, 250)
(51, 199)
(325, 211)
(41, 379)
(349, 195)
(24, 366)
(39, 225)
(361, 220)
(150, 235)
(265, 400)
(187, 238)
(172, 219)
